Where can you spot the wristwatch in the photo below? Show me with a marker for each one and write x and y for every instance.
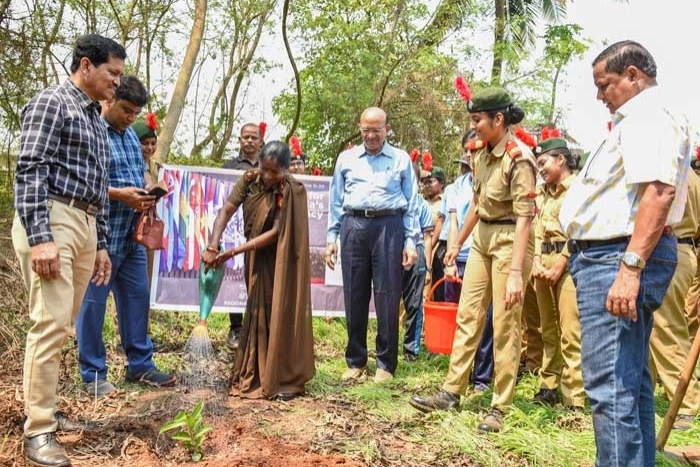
(633, 260)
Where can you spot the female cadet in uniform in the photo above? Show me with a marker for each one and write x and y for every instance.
(556, 294)
(500, 259)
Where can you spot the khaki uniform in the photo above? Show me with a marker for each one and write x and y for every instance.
(670, 342)
(691, 301)
(561, 327)
(504, 181)
(531, 350)
(693, 296)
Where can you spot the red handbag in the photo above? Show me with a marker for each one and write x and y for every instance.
(149, 230)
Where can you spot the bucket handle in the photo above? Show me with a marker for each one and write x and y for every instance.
(429, 297)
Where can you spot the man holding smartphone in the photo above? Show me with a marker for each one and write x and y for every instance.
(129, 186)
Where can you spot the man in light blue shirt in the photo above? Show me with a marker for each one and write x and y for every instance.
(374, 212)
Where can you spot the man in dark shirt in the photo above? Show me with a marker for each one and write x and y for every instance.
(247, 159)
(60, 229)
(128, 180)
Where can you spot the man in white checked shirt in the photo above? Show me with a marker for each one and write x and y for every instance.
(618, 214)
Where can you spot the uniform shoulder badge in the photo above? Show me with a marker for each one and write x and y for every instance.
(513, 150)
(476, 144)
(251, 174)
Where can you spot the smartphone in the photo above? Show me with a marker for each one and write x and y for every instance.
(158, 192)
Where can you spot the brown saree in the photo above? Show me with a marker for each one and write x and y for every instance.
(275, 353)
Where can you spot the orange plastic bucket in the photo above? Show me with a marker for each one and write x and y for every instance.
(440, 323)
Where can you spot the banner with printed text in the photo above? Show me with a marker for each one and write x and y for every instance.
(195, 195)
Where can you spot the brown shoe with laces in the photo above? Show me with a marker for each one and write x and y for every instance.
(492, 422)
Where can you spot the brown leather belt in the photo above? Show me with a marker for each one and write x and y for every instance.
(374, 213)
(497, 221)
(90, 209)
(551, 247)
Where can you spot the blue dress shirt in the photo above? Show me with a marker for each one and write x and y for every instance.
(384, 181)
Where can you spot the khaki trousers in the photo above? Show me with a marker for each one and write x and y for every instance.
(670, 343)
(531, 351)
(561, 336)
(485, 278)
(53, 307)
(691, 303)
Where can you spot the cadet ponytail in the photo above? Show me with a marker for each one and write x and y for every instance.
(512, 115)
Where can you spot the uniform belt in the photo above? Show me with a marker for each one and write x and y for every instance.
(374, 213)
(497, 221)
(579, 245)
(687, 240)
(551, 247)
(90, 209)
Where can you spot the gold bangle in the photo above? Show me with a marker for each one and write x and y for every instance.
(255, 247)
(212, 249)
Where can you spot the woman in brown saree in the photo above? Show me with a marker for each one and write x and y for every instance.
(275, 357)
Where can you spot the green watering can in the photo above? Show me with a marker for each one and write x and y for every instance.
(209, 285)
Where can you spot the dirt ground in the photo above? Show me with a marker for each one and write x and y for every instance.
(304, 432)
(324, 430)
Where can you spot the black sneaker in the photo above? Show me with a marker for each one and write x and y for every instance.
(409, 357)
(547, 397)
(233, 339)
(151, 378)
(442, 400)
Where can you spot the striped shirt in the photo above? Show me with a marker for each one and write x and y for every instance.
(647, 143)
(126, 169)
(63, 150)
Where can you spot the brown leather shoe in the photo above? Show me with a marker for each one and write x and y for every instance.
(66, 424)
(45, 451)
(442, 400)
(493, 422)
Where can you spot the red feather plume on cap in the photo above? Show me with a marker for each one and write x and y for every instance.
(462, 88)
(697, 152)
(262, 126)
(151, 121)
(317, 171)
(548, 133)
(414, 155)
(427, 160)
(525, 137)
(296, 145)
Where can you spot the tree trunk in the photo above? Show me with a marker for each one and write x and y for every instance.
(553, 98)
(499, 32)
(177, 102)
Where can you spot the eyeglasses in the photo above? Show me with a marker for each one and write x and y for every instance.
(376, 131)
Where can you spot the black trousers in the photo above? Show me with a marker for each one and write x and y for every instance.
(236, 320)
(439, 270)
(370, 253)
(413, 283)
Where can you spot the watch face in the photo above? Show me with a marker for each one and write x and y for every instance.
(633, 260)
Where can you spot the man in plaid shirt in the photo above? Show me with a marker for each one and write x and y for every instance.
(128, 181)
(60, 228)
